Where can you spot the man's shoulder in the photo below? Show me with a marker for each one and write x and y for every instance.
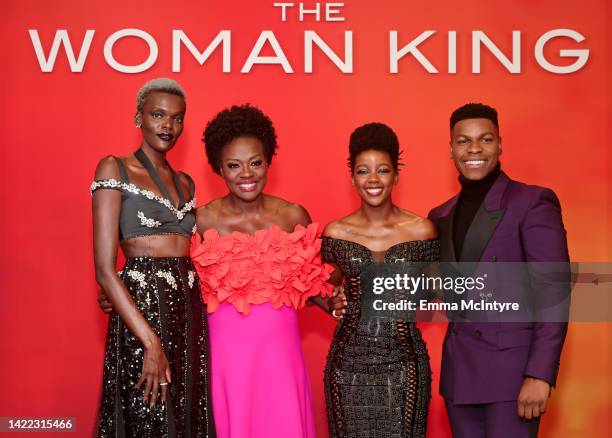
(442, 209)
(520, 185)
(527, 193)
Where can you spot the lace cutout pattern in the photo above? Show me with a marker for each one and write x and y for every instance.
(377, 376)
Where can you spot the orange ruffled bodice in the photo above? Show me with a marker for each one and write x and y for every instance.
(270, 265)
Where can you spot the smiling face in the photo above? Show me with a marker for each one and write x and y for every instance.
(475, 147)
(161, 120)
(374, 176)
(244, 167)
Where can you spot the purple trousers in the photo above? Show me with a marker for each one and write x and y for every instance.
(491, 420)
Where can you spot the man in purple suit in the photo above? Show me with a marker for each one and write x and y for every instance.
(496, 376)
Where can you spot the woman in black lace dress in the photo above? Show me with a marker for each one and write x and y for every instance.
(377, 378)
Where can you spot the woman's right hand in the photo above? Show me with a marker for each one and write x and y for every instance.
(104, 303)
(337, 303)
(155, 373)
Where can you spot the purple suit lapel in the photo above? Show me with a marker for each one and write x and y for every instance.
(480, 231)
(485, 222)
(445, 228)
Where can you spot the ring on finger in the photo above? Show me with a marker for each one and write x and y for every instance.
(334, 313)
(163, 383)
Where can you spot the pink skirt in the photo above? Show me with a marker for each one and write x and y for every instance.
(260, 386)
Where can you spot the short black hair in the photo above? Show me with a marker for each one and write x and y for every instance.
(474, 111)
(374, 136)
(238, 121)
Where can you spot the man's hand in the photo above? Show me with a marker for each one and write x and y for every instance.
(533, 398)
(105, 305)
(337, 303)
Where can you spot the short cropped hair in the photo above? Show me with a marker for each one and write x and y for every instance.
(238, 121)
(374, 136)
(165, 85)
(474, 111)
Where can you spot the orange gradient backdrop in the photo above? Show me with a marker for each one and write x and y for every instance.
(57, 125)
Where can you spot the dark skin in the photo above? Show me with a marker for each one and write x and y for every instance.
(161, 121)
(378, 224)
(475, 148)
(245, 208)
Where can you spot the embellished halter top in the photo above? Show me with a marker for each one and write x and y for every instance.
(143, 212)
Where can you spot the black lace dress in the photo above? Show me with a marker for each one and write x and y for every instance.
(377, 377)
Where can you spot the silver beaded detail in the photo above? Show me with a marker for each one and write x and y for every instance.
(132, 188)
(190, 278)
(147, 222)
(138, 276)
(169, 278)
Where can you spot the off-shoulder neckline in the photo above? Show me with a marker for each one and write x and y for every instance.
(148, 194)
(407, 242)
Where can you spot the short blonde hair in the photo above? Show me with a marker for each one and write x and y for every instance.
(165, 85)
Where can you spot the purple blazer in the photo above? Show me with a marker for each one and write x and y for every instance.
(486, 362)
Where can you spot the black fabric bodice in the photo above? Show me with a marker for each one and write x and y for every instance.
(145, 213)
(377, 377)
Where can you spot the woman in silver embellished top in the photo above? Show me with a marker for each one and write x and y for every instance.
(156, 376)
(377, 377)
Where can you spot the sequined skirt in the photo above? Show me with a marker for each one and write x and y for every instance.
(166, 291)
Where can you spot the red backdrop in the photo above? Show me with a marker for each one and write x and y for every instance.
(56, 125)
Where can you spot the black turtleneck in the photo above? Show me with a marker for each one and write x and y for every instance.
(471, 197)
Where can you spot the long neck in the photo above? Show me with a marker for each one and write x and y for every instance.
(158, 159)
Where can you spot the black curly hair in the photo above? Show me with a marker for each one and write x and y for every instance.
(238, 121)
(374, 136)
(474, 111)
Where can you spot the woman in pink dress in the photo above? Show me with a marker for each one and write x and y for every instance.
(258, 260)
